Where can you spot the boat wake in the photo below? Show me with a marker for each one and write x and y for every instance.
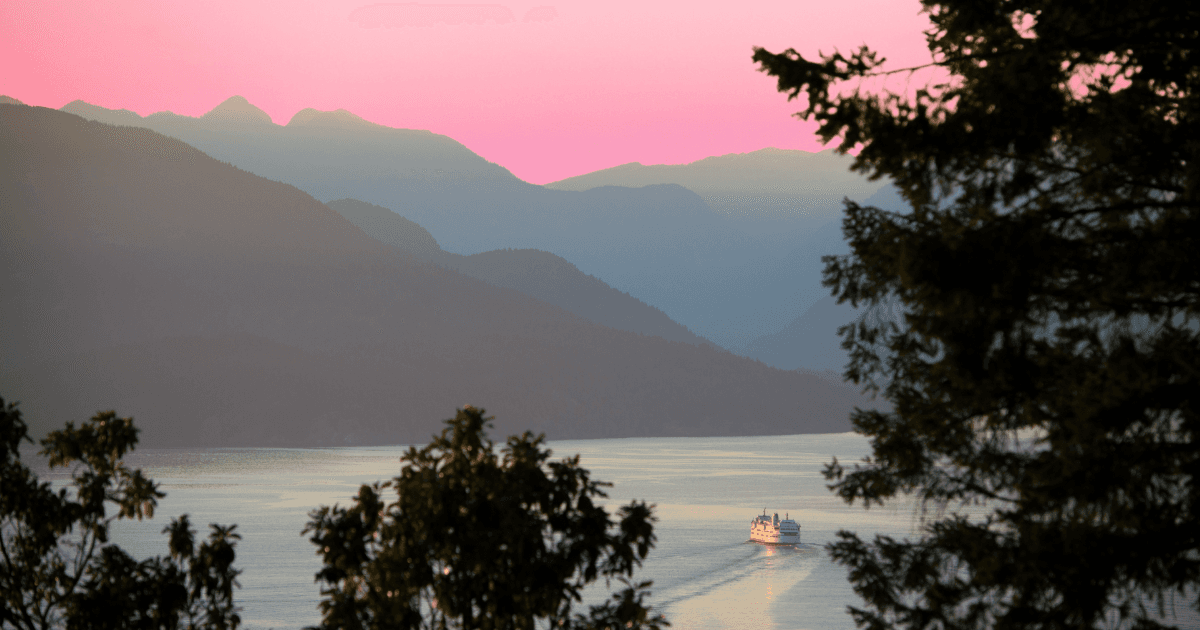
(739, 592)
(750, 565)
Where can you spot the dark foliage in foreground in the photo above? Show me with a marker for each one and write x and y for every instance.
(1046, 371)
(480, 539)
(57, 568)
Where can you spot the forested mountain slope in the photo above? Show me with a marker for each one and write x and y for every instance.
(730, 274)
(222, 308)
(536, 273)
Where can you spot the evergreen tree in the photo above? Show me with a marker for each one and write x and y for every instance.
(480, 539)
(57, 568)
(1044, 369)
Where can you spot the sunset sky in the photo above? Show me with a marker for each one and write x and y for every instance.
(548, 90)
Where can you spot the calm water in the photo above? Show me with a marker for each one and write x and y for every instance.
(706, 574)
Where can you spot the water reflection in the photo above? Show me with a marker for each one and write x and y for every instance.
(706, 573)
(748, 597)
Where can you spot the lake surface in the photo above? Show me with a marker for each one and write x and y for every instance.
(706, 573)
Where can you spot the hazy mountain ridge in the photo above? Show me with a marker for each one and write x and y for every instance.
(389, 227)
(729, 276)
(536, 273)
(762, 183)
(221, 308)
(810, 341)
(339, 119)
(235, 127)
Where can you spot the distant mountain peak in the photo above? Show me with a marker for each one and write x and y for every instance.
(89, 111)
(729, 180)
(238, 109)
(309, 117)
(777, 150)
(8, 100)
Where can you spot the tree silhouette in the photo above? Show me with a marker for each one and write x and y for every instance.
(57, 568)
(1046, 364)
(480, 539)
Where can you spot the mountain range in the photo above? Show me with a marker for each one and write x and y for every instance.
(220, 307)
(536, 273)
(763, 184)
(733, 260)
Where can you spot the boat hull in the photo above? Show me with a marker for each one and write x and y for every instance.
(767, 539)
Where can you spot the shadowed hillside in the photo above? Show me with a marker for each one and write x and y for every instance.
(729, 275)
(810, 341)
(220, 308)
(533, 272)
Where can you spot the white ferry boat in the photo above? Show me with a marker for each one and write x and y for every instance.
(772, 531)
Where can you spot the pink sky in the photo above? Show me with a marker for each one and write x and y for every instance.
(582, 86)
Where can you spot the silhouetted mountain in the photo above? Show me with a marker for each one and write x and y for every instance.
(238, 111)
(119, 117)
(8, 100)
(887, 198)
(337, 119)
(323, 148)
(552, 279)
(809, 341)
(221, 308)
(728, 276)
(761, 183)
(536, 273)
(388, 227)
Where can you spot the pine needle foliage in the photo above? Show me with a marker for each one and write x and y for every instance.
(1044, 371)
